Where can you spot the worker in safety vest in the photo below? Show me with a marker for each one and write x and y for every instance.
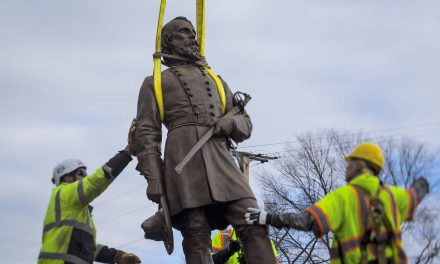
(227, 249)
(69, 235)
(364, 215)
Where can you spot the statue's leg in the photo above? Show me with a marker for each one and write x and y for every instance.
(255, 239)
(196, 234)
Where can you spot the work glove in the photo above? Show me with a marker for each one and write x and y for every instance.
(154, 190)
(255, 216)
(234, 246)
(421, 186)
(130, 147)
(122, 257)
(224, 127)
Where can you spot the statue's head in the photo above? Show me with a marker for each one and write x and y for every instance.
(179, 38)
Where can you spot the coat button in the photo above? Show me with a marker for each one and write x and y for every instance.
(208, 89)
(210, 94)
(185, 84)
(211, 106)
(188, 89)
(212, 114)
(207, 83)
(190, 95)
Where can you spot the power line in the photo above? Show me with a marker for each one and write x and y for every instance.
(378, 137)
(353, 134)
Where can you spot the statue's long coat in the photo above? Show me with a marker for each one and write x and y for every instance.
(212, 175)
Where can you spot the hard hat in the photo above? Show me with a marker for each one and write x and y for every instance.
(65, 167)
(369, 152)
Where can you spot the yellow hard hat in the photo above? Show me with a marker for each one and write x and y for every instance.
(369, 152)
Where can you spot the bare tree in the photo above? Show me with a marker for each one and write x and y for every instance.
(313, 166)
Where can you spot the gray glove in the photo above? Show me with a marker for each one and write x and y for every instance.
(255, 216)
(154, 190)
(224, 127)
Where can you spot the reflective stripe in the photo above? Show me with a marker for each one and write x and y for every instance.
(62, 256)
(72, 223)
(81, 195)
(412, 203)
(321, 218)
(393, 206)
(363, 203)
(346, 246)
(225, 238)
(57, 206)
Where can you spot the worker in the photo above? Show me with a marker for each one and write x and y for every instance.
(69, 234)
(211, 192)
(364, 215)
(227, 249)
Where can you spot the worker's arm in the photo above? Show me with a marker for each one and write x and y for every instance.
(222, 256)
(238, 127)
(325, 215)
(301, 221)
(83, 192)
(105, 254)
(148, 139)
(407, 200)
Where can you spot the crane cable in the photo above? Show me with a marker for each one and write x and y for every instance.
(157, 72)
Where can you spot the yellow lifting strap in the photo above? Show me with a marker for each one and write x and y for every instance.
(157, 76)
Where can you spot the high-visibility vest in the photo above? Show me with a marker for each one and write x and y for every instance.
(222, 239)
(345, 213)
(68, 210)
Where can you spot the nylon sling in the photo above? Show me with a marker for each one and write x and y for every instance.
(157, 72)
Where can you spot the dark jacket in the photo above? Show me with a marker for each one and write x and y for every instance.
(191, 105)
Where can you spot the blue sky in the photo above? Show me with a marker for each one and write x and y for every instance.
(70, 73)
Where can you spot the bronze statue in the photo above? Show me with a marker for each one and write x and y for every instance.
(211, 192)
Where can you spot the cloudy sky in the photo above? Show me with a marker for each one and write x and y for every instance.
(70, 73)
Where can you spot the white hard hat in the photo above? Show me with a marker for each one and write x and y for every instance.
(65, 167)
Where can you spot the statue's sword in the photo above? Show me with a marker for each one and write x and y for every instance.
(241, 100)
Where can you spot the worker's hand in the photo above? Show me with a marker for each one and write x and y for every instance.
(234, 246)
(255, 216)
(130, 148)
(154, 190)
(122, 257)
(224, 127)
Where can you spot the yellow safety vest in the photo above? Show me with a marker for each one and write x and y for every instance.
(222, 239)
(68, 210)
(345, 213)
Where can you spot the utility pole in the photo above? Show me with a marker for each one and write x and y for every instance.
(246, 157)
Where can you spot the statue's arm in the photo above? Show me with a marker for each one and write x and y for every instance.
(148, 134)
(242, 121)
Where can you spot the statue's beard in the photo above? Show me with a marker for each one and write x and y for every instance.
(186, 48)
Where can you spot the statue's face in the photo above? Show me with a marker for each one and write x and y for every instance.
(185, 33)
(180, 39)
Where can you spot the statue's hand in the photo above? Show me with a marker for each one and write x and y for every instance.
(154, 190)
(224, 127)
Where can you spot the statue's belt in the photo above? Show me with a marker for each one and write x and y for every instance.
(188, 120)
